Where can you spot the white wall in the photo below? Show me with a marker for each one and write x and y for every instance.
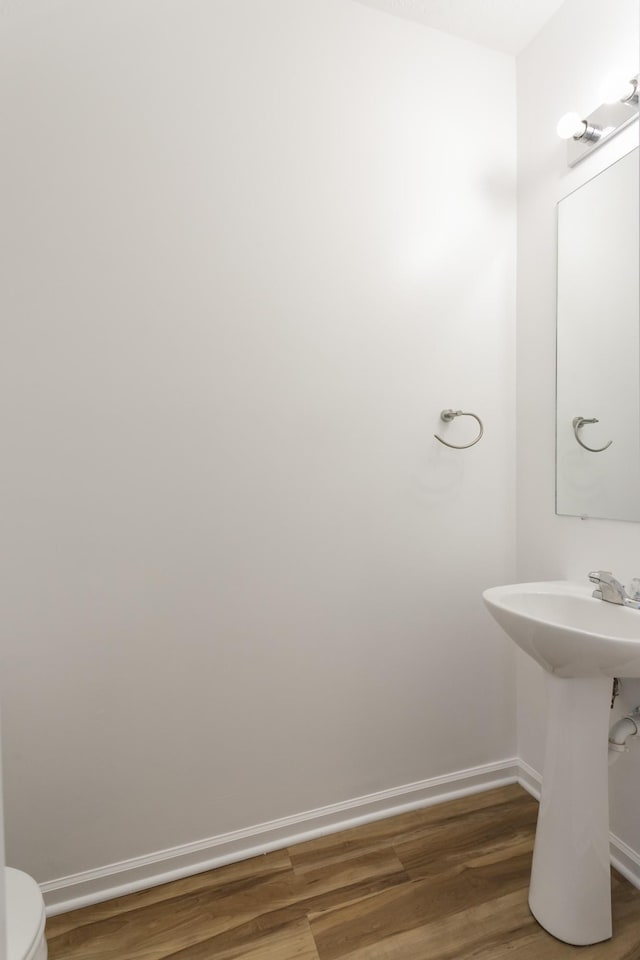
(562, 70)
(251, 252)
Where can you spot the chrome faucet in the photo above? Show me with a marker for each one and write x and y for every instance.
(612, 591)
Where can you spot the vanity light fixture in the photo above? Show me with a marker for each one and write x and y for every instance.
(584, 134)
(619, 90)
(572, 127)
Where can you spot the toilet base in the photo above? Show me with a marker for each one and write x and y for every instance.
(25, 917)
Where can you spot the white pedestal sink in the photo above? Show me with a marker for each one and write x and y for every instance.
(582, 643)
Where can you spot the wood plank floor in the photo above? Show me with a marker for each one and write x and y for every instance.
(445, 883)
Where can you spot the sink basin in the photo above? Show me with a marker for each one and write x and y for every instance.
(582, 643)
(566, 630)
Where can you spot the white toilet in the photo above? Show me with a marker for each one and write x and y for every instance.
(25, 917)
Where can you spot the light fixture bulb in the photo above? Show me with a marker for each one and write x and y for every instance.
(618, 89)
(571, 125)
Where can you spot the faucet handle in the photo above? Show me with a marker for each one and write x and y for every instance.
(633, 590)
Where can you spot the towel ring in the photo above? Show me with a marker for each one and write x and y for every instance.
(579, 422)
(448, 416)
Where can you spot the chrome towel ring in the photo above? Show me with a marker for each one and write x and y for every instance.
(448, 416)
(579, 422)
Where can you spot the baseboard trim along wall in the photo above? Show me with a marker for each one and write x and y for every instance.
(140, 873)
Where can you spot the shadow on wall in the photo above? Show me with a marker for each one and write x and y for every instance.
(500, 189)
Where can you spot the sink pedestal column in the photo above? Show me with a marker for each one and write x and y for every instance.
(570, 893)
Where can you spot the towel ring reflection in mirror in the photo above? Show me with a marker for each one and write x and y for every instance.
(579, 422)
(448, 416)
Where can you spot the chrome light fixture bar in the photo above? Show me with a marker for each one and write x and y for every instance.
(584, 134)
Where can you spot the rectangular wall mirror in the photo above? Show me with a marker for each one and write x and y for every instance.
(598, 347)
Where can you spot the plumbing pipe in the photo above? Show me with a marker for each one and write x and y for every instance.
(620, 733)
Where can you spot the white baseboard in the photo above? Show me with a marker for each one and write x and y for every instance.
(139, 873)
(530, 779)
(625, 860)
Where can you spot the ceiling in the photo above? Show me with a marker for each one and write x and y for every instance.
(506, 25)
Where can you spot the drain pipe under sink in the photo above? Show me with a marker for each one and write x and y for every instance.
(622, 731)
